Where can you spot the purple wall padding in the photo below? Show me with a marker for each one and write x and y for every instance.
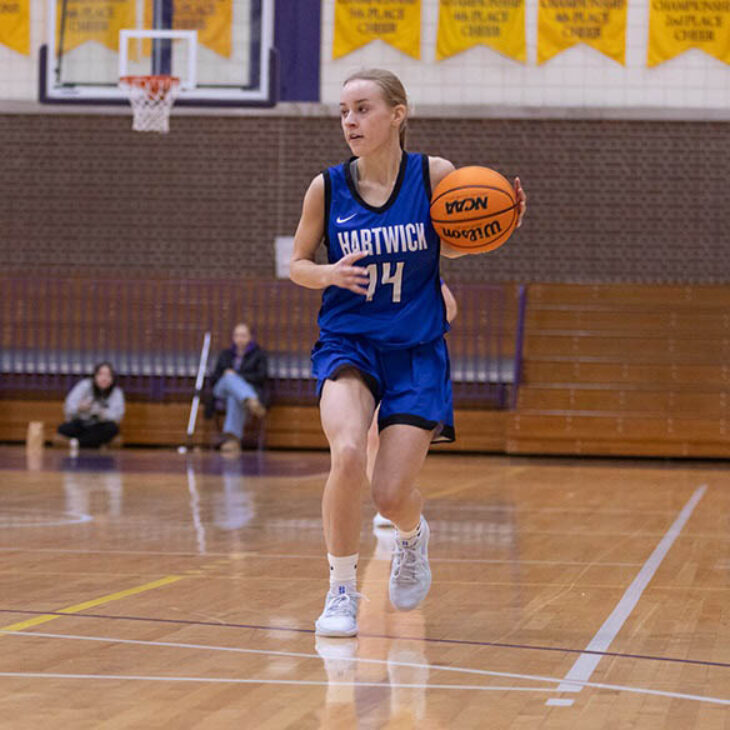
(297, 39)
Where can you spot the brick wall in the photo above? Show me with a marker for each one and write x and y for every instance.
(610, 201)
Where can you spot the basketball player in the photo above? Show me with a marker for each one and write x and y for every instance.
(381, 336)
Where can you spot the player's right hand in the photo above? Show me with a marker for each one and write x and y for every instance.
(348, 276)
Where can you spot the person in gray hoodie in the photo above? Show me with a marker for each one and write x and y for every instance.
(94, 409)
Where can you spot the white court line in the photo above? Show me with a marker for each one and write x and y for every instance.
(585, 664)
(276, 556)
(73, 518)
(526, 511)
(260, 680)
(359, 660)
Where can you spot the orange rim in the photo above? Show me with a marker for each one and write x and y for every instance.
(151, 84)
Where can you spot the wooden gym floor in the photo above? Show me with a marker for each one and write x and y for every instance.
(147, 589)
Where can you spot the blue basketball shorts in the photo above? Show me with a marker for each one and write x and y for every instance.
(413, 385)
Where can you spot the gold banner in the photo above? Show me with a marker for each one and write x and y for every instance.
(15, 25)
(94, 20)
(499, 24)
(358, 22)
(562, 24)
(213, 19)
(678, 25)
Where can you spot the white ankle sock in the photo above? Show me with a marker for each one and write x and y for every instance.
(415, 532)
(343, 570)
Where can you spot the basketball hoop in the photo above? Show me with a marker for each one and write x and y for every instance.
(151, 98)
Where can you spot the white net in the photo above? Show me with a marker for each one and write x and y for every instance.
(151, 98)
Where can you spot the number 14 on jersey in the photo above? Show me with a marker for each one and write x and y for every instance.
(389, 277)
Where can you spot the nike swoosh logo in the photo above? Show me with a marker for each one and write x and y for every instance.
(344, 220)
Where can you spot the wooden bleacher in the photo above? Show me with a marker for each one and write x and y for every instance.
(625, 370)
(620, 370)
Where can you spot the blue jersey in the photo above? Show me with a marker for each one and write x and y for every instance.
(404, 306)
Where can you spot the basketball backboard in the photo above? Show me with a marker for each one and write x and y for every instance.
(222, 50)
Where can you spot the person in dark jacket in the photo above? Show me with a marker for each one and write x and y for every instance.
(239, 379)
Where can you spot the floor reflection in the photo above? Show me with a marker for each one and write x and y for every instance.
(97, 494)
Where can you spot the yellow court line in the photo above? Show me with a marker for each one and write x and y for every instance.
(94, 602)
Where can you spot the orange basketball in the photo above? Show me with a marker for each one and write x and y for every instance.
(474, 209)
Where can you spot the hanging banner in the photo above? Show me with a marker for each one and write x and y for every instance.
(15, 25)
(678, 25)
(499, 24)
(358, 22)
(93, 20)
(213, 19)
(600, 24)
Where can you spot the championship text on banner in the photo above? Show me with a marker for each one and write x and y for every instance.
(678, 25)
(94, 20)
(499, 24)
(600, 24)
(15, 25)
(213, 19)
(357, 22)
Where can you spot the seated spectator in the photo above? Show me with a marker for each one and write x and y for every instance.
(94, 409)
(239, 379)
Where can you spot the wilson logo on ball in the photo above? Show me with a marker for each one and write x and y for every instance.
(477, 233)
(474, 209)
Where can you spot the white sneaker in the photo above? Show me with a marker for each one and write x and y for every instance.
(73, 447)
(384, 539)
(380, 521)
(410, 574)
(339, 617)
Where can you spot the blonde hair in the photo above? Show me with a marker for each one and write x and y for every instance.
(393, 90)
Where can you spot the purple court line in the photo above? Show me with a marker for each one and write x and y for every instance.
(425, 639)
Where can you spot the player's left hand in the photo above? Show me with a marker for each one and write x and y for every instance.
(521, 200)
